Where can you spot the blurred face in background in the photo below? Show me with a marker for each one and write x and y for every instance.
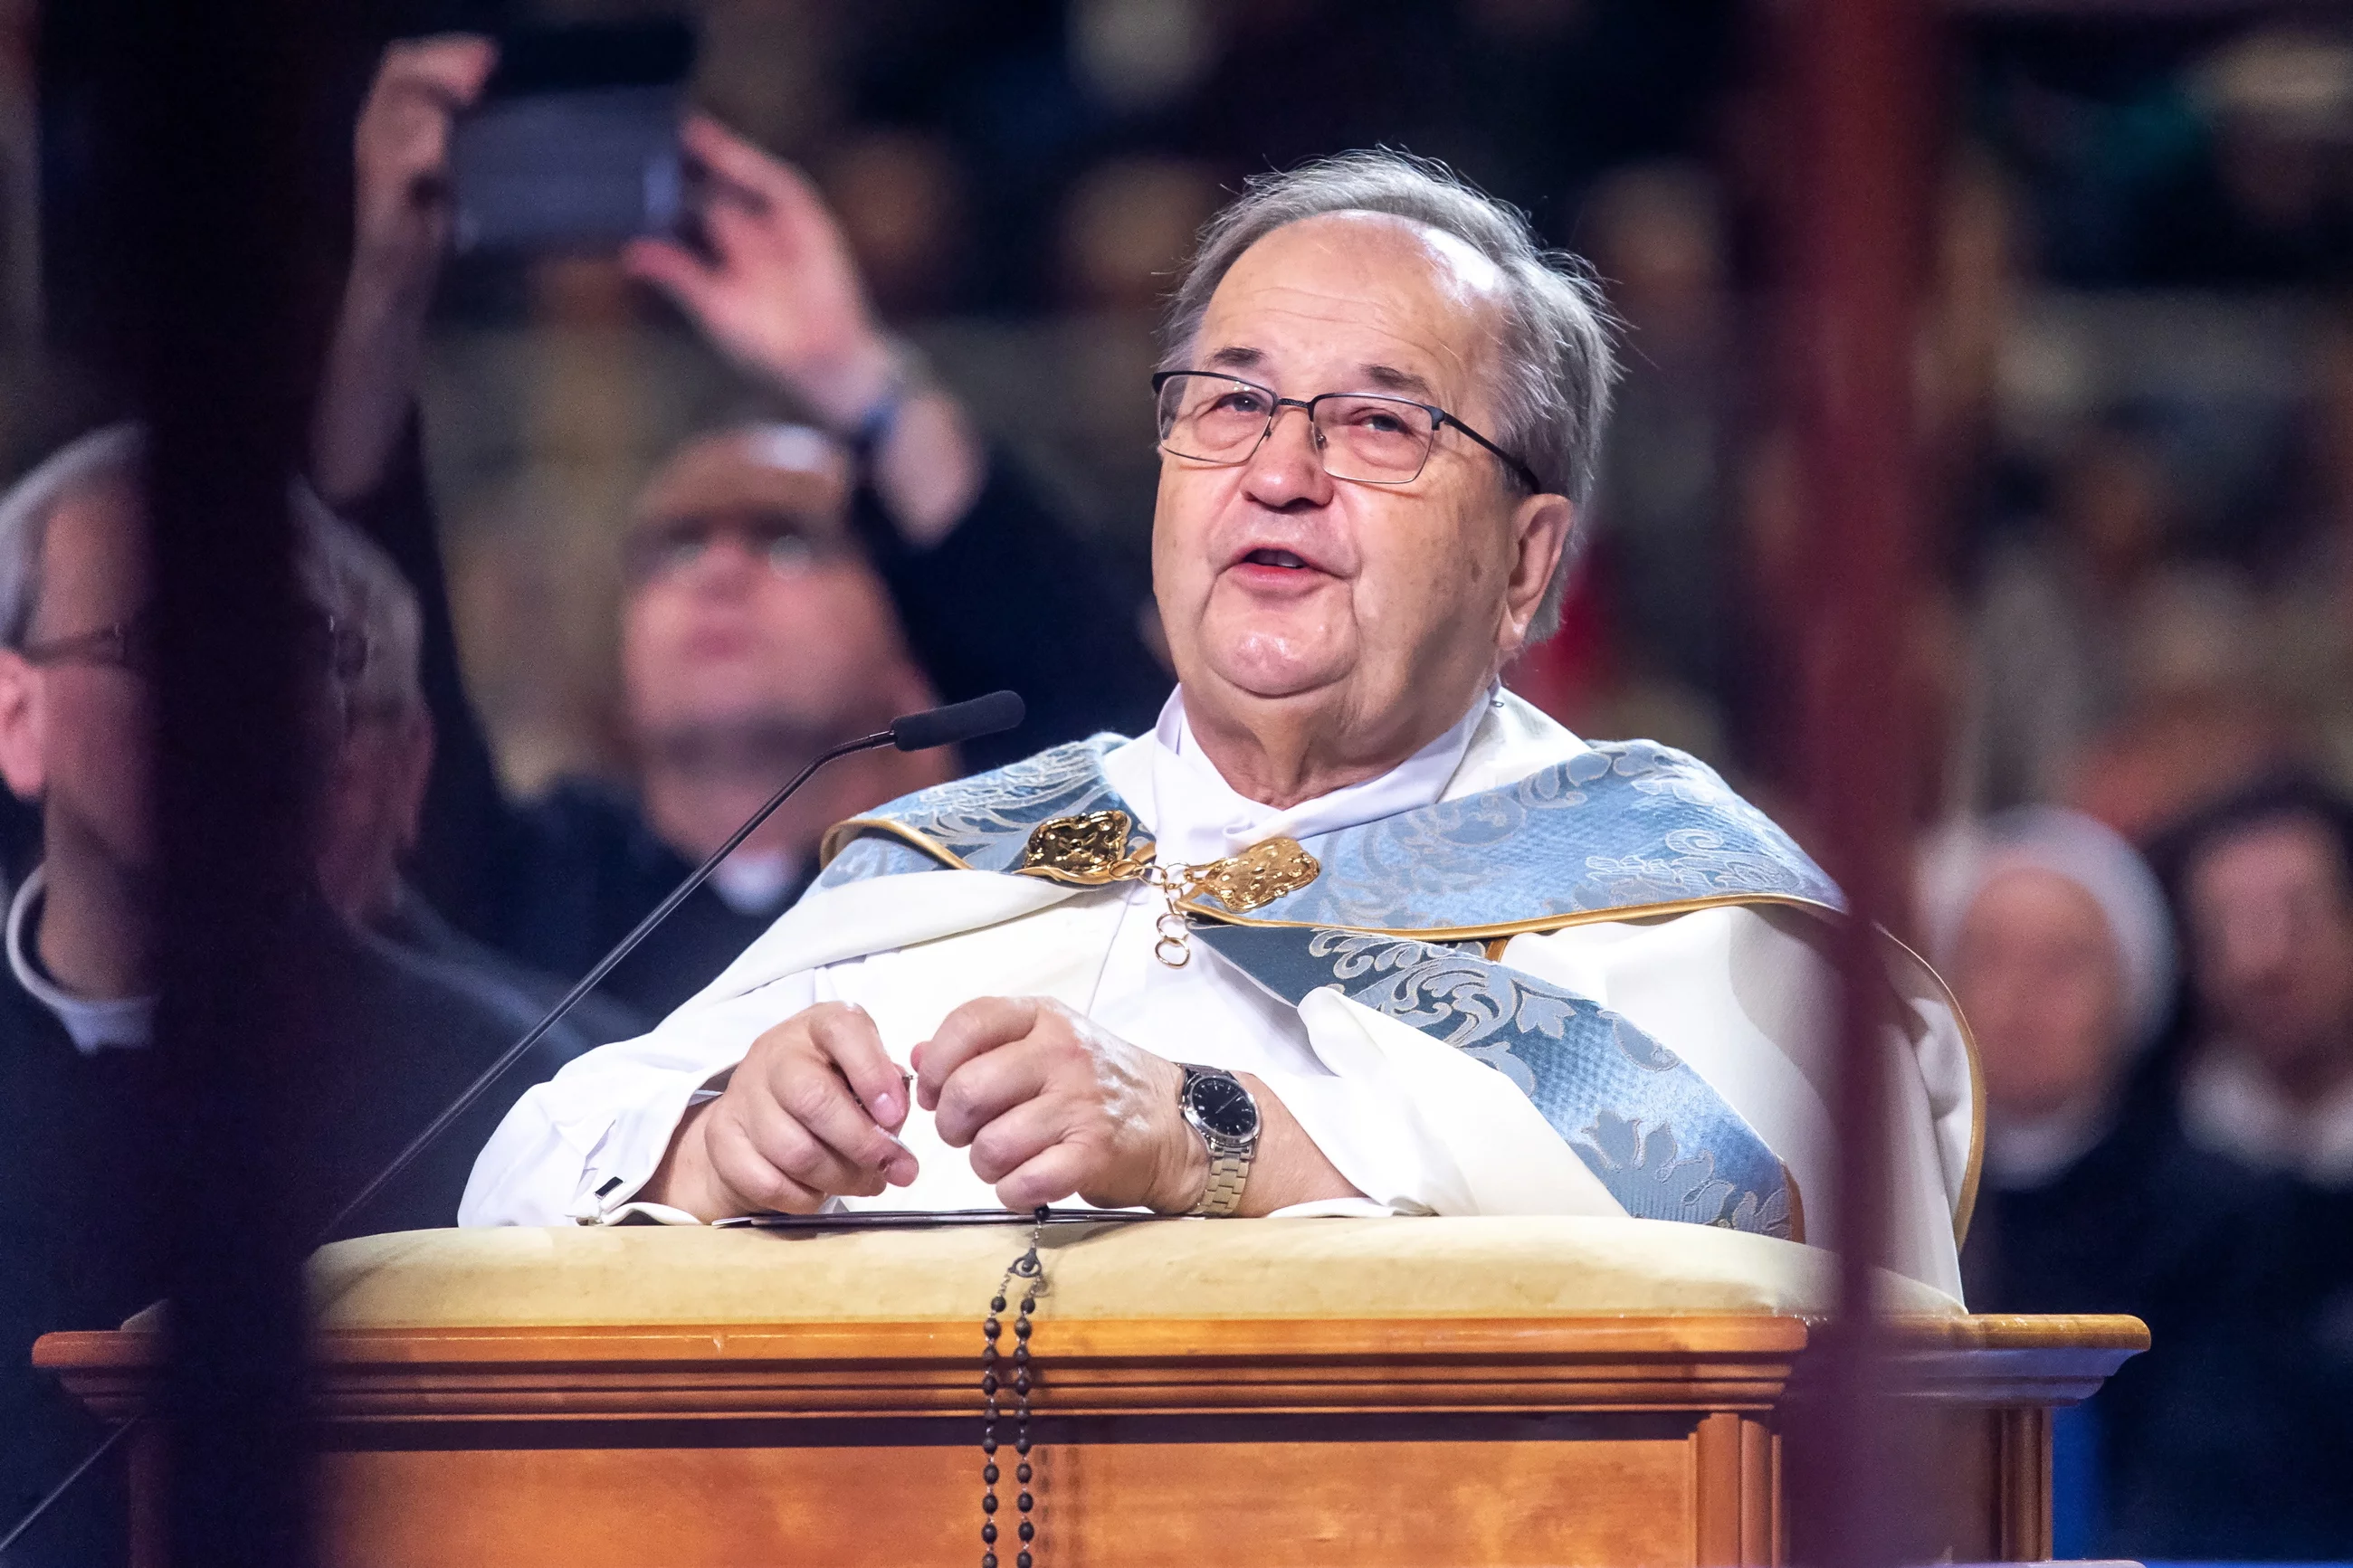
(758, 619)
(2037, 974)
(2271, 937)
(1378, 609)
(375, 804)
(2113, 499)
(74, 733)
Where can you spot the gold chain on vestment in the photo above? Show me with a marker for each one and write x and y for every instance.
(1093, 850)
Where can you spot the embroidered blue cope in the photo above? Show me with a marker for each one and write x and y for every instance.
(1395, 922)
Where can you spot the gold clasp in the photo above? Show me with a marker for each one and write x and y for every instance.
(1093, 850)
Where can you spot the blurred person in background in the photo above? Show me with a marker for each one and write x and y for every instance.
(1660, 513)
(2081, 625)
(788, 588)
(2308, 519)
(375, 807)
(2264, 882)
(2056, 939)
(2174, 754)
(390, 1038)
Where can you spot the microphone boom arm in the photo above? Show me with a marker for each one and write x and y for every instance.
(587, 982)
(943, 726)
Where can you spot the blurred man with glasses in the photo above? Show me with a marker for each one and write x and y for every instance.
(786, 587)
(1352, 928)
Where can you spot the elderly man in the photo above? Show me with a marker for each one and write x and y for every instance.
(374, 798)
(1352, 930)
(79, 1106)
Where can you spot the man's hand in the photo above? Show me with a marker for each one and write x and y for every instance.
(1051, 1104)
(400, 225)
(400, 151)
(809, 1114)
(782, 296)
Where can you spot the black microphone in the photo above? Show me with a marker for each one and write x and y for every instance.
(948, 726)
(958, 722)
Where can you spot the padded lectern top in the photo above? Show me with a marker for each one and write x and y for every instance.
(1485, 1267)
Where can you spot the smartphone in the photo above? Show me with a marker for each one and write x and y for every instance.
(575, 146)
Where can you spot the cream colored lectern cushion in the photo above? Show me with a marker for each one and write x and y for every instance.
(1501, 1266)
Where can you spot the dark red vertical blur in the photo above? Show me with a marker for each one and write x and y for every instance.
(208, 137)
(1860, 91)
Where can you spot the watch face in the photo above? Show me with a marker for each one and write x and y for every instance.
(1223, 1106)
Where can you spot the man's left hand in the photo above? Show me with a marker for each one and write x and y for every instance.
(779, 290)
(1051, 1104)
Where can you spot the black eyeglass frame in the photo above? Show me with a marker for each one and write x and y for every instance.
(643, 552)
(1440, 419)
(128, 645)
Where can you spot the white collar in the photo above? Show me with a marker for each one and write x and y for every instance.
(1195, 816)
(127, 1022)
(2023, 1153)
(2231, 1106)
(754, 882)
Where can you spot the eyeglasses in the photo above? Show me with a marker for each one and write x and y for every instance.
(342, 651)
(788, 546)
(1363, 437)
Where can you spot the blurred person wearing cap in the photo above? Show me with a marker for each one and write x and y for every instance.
(787, 586)
(2056, 937)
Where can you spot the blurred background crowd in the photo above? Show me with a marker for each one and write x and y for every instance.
(641, 528)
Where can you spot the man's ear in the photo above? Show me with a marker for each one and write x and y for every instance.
(412, 771)
(23, 727)
(1540, 532)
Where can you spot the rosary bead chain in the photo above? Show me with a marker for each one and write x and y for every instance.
(1029, 1269)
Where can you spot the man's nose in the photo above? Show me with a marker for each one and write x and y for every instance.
(728, 562)
(2257, 942)
(1287, 469)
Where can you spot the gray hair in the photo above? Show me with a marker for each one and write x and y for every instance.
(113, 452)
(343, 572)
(1558, 364)
(366, 590)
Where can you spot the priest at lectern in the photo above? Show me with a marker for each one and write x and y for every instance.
(1353, 930)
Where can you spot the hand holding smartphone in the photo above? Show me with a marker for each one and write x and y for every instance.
(576, 144)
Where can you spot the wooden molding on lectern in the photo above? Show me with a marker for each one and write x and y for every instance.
(1488, 1411)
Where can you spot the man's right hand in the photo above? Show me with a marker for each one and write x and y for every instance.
(400, 225)
(810, 1113)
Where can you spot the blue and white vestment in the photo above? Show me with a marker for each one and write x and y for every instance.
(1532, 975)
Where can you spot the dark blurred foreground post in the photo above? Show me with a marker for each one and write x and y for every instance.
(1863, 176)
(208, 147)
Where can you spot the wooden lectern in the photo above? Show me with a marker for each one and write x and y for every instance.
(1279, 1391)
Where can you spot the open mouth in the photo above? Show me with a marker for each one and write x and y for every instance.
(1282, 558)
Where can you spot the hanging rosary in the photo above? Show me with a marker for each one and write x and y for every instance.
(1028, 1269)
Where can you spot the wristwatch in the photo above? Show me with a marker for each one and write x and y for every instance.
(1218, 1107)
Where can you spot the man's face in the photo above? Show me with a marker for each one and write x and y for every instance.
(75, 735)
(2271, 932)
(373, 803)
(748, 623)
(2040, 980)
(1377, 611)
